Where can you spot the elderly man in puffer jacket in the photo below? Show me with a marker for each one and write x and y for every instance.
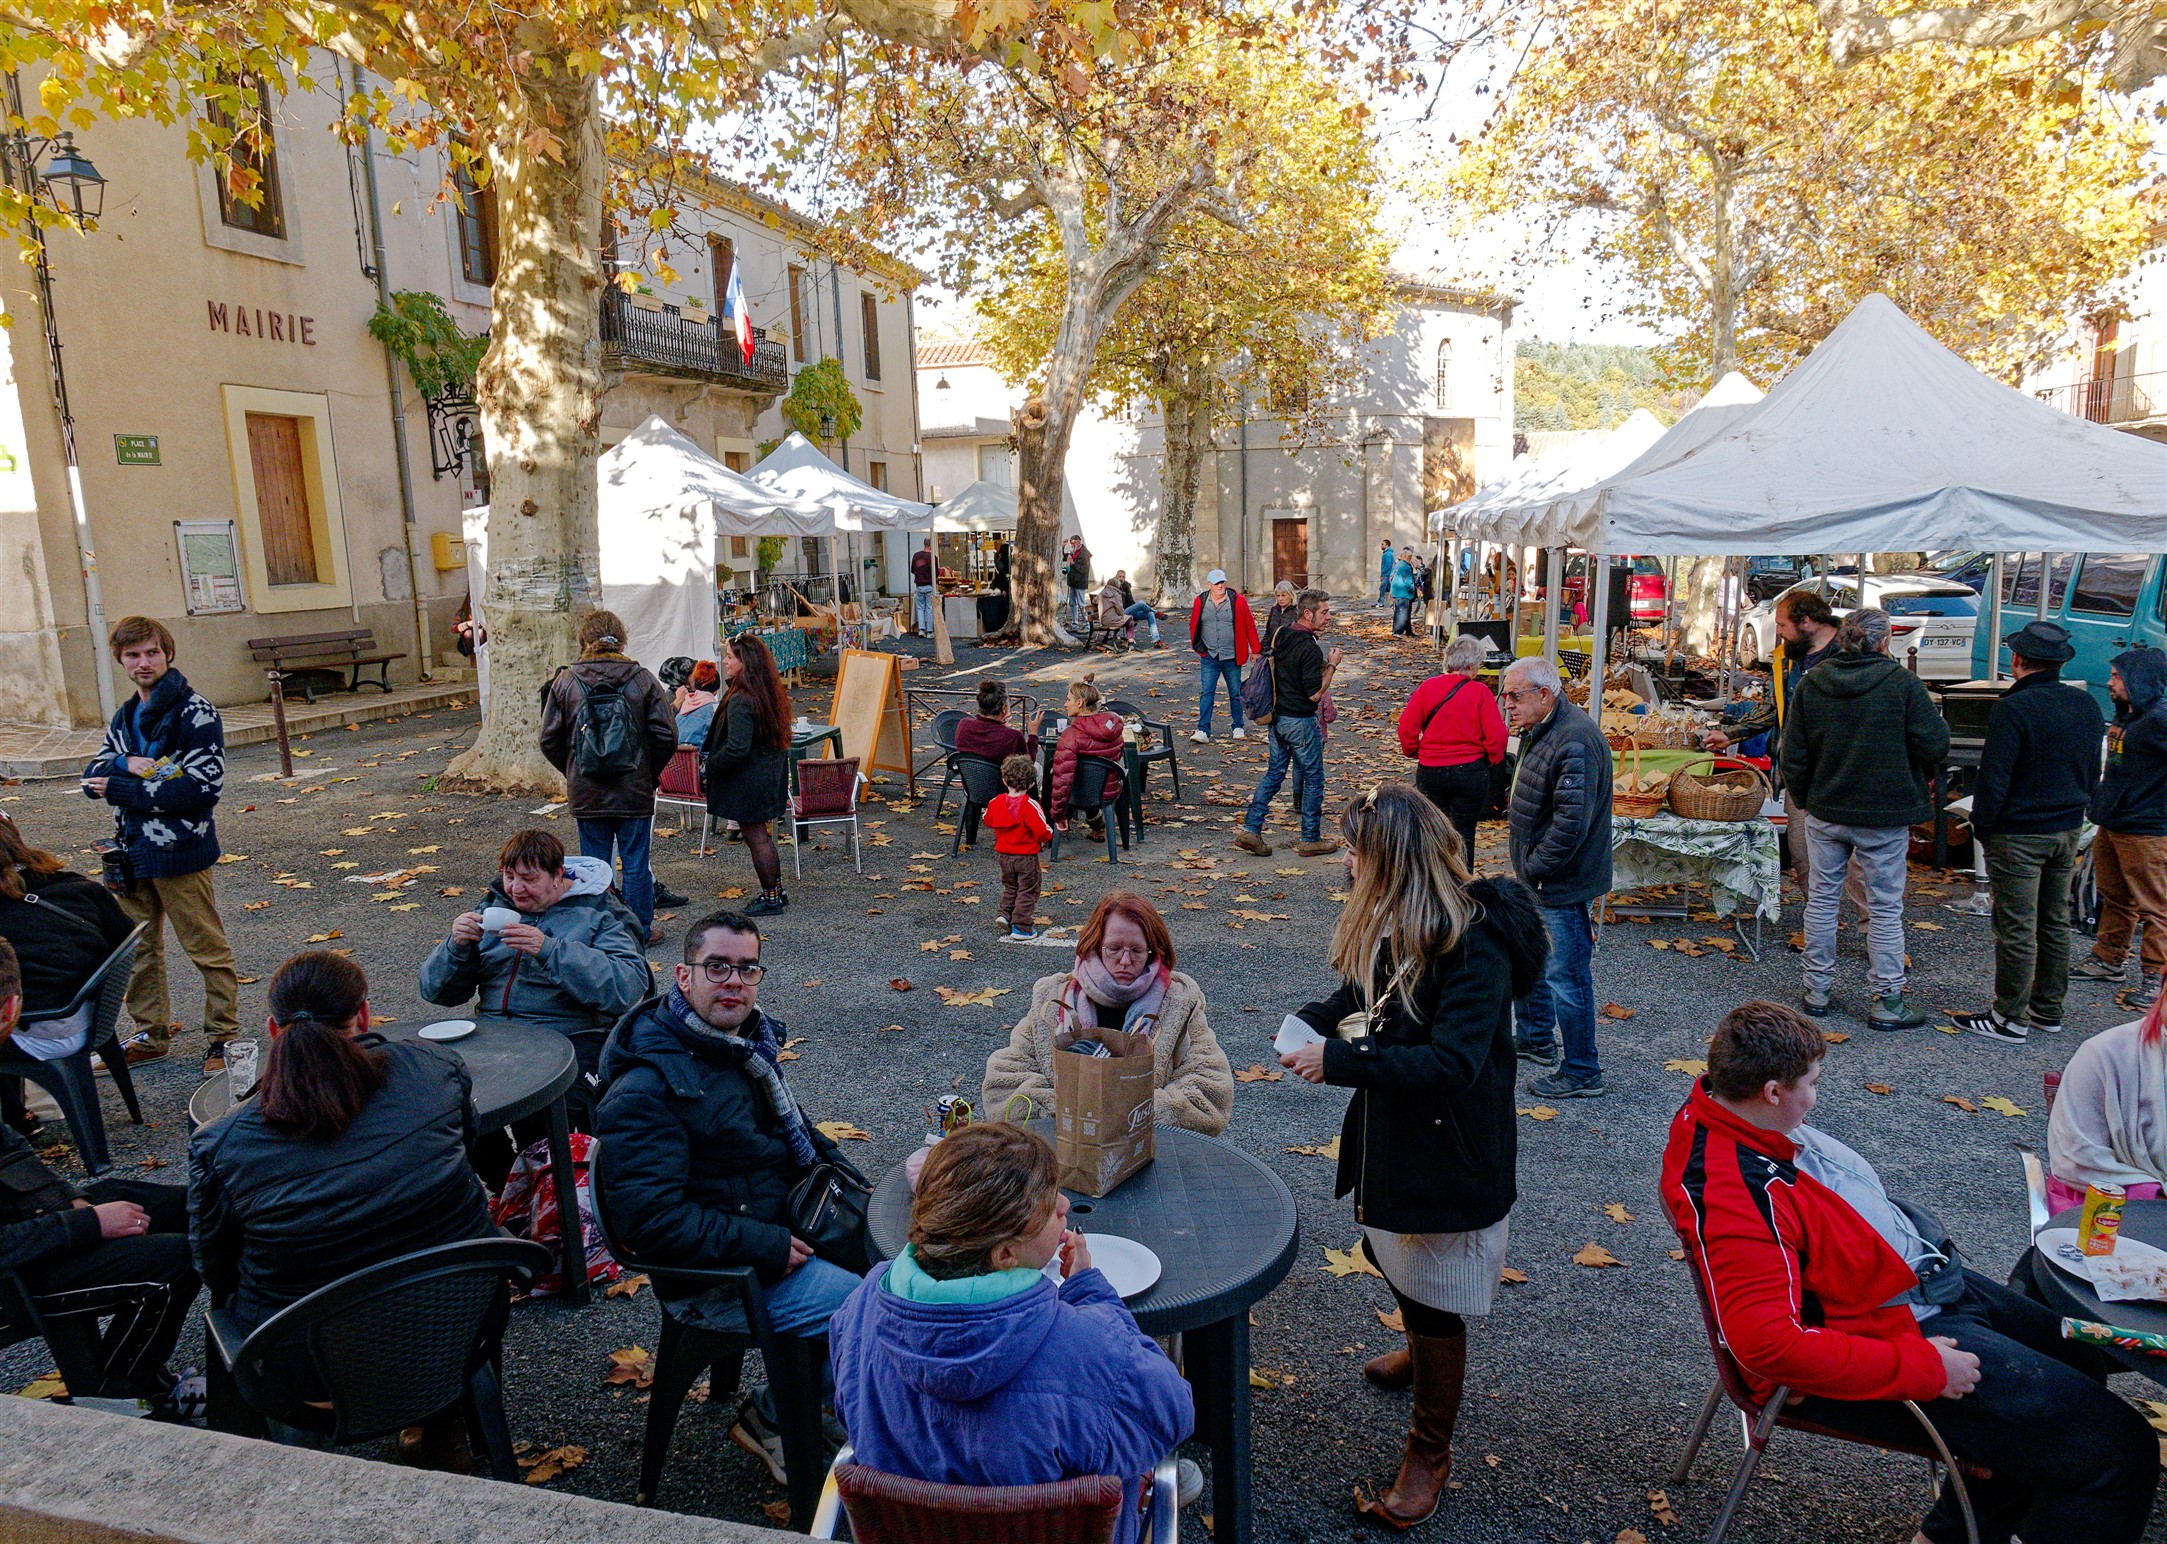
(573, 961)
(1561, 848)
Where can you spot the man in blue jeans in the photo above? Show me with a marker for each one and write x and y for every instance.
(1561, 848)
(1224, 635)
(921, 590)
(1385, 561)
(1301, 674)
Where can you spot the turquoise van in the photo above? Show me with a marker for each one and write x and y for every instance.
(2109, 601)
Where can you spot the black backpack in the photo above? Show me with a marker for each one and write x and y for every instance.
(607, 743)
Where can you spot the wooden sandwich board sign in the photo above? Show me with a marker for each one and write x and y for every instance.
(869, 711)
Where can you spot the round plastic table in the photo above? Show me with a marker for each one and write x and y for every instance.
(1224, 1228)
(519, 1069)
(2073, 1297)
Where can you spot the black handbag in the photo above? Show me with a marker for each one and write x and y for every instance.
(827, 1210)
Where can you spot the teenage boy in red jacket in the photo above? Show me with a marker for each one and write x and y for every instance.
(1823, 1286)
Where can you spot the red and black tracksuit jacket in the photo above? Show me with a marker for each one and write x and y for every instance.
(1806, 1294)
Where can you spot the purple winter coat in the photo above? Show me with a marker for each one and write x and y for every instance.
(1045, 1385)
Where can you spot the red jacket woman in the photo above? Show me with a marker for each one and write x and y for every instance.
(1452, 720)
(1089, 733)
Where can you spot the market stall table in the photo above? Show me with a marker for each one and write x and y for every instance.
(792, 649)
(2073, 1297)
(1224, 1228)
(1736, 859)
(519, 1069)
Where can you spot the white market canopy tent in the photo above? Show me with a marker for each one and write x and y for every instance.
(982, 507)
(1512, 509)
(797, 470)
(1726, 402)
(1882, 440)
(663, 506)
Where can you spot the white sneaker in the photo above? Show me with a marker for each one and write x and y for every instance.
(1241, 734)
(1201, 738)
(1189, 1487)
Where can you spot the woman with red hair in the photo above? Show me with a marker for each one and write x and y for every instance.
(2110, 1117)
(1123, 978)
(748, 764)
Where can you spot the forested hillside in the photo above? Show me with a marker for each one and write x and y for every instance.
(1588, 386)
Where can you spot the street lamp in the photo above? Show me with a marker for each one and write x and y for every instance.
(53, 170)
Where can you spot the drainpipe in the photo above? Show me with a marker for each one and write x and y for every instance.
(1245, 487)
(410, 528)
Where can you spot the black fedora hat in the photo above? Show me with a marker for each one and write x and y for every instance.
(2043, 643)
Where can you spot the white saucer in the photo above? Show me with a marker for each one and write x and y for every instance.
(1127, 1264)
(446, 1029)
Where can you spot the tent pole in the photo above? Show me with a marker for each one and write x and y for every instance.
(1507, 568)
(1599, 614)
(2046, 588)
(1553, 583)
(1993, 617)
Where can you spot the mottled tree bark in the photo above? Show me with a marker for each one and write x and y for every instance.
(1186, 409)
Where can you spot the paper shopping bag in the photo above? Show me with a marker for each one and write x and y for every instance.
(1102, 1112)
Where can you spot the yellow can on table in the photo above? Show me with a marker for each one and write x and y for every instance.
(2101, 1223)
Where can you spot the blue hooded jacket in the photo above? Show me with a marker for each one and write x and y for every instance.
(1047, 1384)
(2132, 797)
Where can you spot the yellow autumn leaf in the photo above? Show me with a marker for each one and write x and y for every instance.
(1349, 1262)
(1691, 1066)
(842, 1131)
(2000, 1105)
(1538, 1112)
(1595, 1257)
(1616, 1212)
(1324, 1150)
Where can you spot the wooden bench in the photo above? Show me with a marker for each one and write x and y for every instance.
(343, 655)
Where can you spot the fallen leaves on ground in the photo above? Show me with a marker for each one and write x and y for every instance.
(2000, 1105)
(1595, 1257)
(1630, 1536)
(955, 997)
(1834, 1036)
(634, 1364)
(900, 983)
(842, 1131)
(1392, 1321)
(1617, 1011)
(1691, 1066)
(1616, 1212)
(778, 1512)
(1538, 1112)
(1665, 1513)
(1927, 927)
(626, 1286)
(1320, 1150)
(1961, 1103)
(323, 938)
(543, 1467)
(731, 893)
(1879, 1088)
(1259, 1073)
(44, 1386)
(1350, 1262)
(1511, 1277)
(254, 905)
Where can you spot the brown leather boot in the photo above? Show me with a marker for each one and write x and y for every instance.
(1394, 1372)
(1440, 1372)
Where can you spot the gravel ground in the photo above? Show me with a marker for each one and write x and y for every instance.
(1583, 1382)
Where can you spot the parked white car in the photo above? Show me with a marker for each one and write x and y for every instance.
(1931, 615)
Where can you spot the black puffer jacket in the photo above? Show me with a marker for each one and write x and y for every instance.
(272, 1217)
(62, 930)
(1428, 1144)
(696, 1169)
(631, 797)
(746, 781)
(1561, 809)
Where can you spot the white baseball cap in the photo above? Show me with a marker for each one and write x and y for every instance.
(1216, 576)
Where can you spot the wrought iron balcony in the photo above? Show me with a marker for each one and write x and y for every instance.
(2126, 399)
(664, 343)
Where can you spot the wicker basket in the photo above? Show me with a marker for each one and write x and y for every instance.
(1725, 789)
(1645, 797)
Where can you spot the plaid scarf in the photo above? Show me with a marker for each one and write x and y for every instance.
(757, 1056)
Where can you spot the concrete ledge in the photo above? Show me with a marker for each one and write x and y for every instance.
(72, 1476)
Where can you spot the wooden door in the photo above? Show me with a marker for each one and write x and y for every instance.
(282, 506)
(1290, 551)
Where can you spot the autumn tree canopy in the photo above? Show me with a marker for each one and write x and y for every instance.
(2127, 38)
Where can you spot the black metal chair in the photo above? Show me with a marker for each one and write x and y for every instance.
(1163, 752)
(796, 1365)
(393, 1345)
(68, 1079)
(981, 786)
(20, 1320)
(1095, 777)
(943, 730)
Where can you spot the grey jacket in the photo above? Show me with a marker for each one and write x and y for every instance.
(1561, 809)
(590, 973)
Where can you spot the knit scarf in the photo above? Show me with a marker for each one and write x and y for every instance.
(1091, 986)
(757, 1056)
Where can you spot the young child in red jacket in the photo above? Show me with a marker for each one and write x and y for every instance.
(1019, 830)
(1824, 1287)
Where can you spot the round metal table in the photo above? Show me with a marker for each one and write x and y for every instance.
(1225, 1230)
(519, 1069)
(2145, 1221)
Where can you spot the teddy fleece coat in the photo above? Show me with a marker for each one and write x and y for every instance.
(1195, 1083)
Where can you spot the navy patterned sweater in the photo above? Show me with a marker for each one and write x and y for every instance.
(165, 820)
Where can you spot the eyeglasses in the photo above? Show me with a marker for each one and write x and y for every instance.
(719, 971)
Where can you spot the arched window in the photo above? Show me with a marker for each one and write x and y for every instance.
(1444, 376)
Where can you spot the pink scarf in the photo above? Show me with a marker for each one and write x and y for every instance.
(1091, 986)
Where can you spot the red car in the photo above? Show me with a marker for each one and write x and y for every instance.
(1647, 592)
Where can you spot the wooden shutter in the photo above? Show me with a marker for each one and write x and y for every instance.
(797, 313)
(268, 217)
(282, 503)
(737, 460)
(869, 314)
(876, 473)
(477, 227)
(721, 256)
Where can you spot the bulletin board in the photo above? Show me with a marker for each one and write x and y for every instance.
(869, 711)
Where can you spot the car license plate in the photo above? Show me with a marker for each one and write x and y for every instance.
(1946, 643)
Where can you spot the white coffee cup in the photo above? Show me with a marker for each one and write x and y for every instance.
(497, 918)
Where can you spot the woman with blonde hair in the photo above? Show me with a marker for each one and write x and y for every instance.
(1123, 977)
(1429, 963)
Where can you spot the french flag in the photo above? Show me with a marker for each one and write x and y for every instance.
(733, 308)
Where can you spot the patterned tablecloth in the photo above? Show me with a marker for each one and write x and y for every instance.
(1736, 859)
(791, 646)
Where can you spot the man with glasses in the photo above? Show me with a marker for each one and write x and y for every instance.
(1561, 848)
(1301, 674)
(702, 1143)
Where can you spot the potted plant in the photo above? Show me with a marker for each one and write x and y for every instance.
(644, 298)
(696, 312)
